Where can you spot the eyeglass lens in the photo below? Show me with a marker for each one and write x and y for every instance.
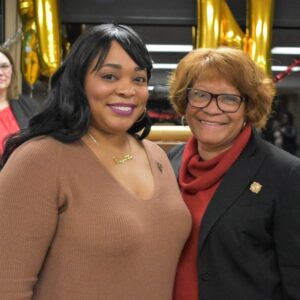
(4, 67)
(225, 102)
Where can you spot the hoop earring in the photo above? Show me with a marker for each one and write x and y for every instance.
(183, 121)
(244, 125)
(142, 116)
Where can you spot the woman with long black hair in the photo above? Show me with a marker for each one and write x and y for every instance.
(89, 209)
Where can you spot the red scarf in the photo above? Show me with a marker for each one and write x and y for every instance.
(199, 180)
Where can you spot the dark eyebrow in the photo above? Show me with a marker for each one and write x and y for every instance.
(117, 66)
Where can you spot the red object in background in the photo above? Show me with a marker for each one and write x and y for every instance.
(162, 115)
(288, 70)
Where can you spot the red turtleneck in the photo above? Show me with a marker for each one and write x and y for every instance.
(199, 180)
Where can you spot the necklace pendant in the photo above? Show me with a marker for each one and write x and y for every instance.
(117, 160)
(122, 160)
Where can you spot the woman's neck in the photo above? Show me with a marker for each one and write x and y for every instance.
(3, 96)
(212, 151)
(3, 100)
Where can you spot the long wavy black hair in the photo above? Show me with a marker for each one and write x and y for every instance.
(66, 112)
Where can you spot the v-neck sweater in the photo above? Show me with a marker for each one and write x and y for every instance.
(69, 230)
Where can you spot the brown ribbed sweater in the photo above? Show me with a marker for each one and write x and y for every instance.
(69, 231)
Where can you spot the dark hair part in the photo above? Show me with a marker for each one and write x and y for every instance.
(66, 113)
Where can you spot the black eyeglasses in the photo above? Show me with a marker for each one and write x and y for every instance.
(228, 103)
(5, 67)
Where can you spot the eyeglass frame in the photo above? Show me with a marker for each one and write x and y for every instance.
(215, 96)
(5, 67)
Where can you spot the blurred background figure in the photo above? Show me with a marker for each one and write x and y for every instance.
(15, 110)
(280, 129)
(289, 133)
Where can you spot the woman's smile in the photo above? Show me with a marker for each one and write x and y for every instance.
(122, 109)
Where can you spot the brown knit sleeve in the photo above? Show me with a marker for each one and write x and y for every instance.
(28, 215)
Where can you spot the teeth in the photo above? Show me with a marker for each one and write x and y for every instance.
(208, 123)
(123, 108)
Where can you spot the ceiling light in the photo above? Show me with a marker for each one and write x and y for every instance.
(286, 50)
(165, 66)
(169, 48)
(173, 66)
(284, 68)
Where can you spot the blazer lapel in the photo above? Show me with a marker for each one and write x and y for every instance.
(234, 182)
(19, 113)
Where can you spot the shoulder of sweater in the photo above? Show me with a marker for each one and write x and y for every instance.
(153, 146)
(40, 150)
(156, 149)
(35, 160)
(41, 142)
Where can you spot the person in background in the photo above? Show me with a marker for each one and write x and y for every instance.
(243, 192)
(100, 214)
(289, 133)
(15, 111)
(281, 131)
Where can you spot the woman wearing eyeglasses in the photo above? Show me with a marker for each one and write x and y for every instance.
(243, 193)
(15, 111)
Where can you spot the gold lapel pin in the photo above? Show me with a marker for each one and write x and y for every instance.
(255, 187)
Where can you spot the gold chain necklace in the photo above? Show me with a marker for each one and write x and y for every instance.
(117, 160)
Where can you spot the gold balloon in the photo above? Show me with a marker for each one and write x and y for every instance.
(29, 52)
(216, 27)
(259, 32)
(231, 33)
(208, 23)
(48, 33)
(25, 8)
(29, 55)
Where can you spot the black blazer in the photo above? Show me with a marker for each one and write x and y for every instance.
(23, 109)
(249, 243)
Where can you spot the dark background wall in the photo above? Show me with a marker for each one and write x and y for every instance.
(171, 21)
(171, 12)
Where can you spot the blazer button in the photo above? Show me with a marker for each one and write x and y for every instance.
(205, 276)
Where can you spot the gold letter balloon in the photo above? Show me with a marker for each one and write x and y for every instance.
(216, 26)
(48, 32)
(41, 46)
(29, 55)
(259, 32)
